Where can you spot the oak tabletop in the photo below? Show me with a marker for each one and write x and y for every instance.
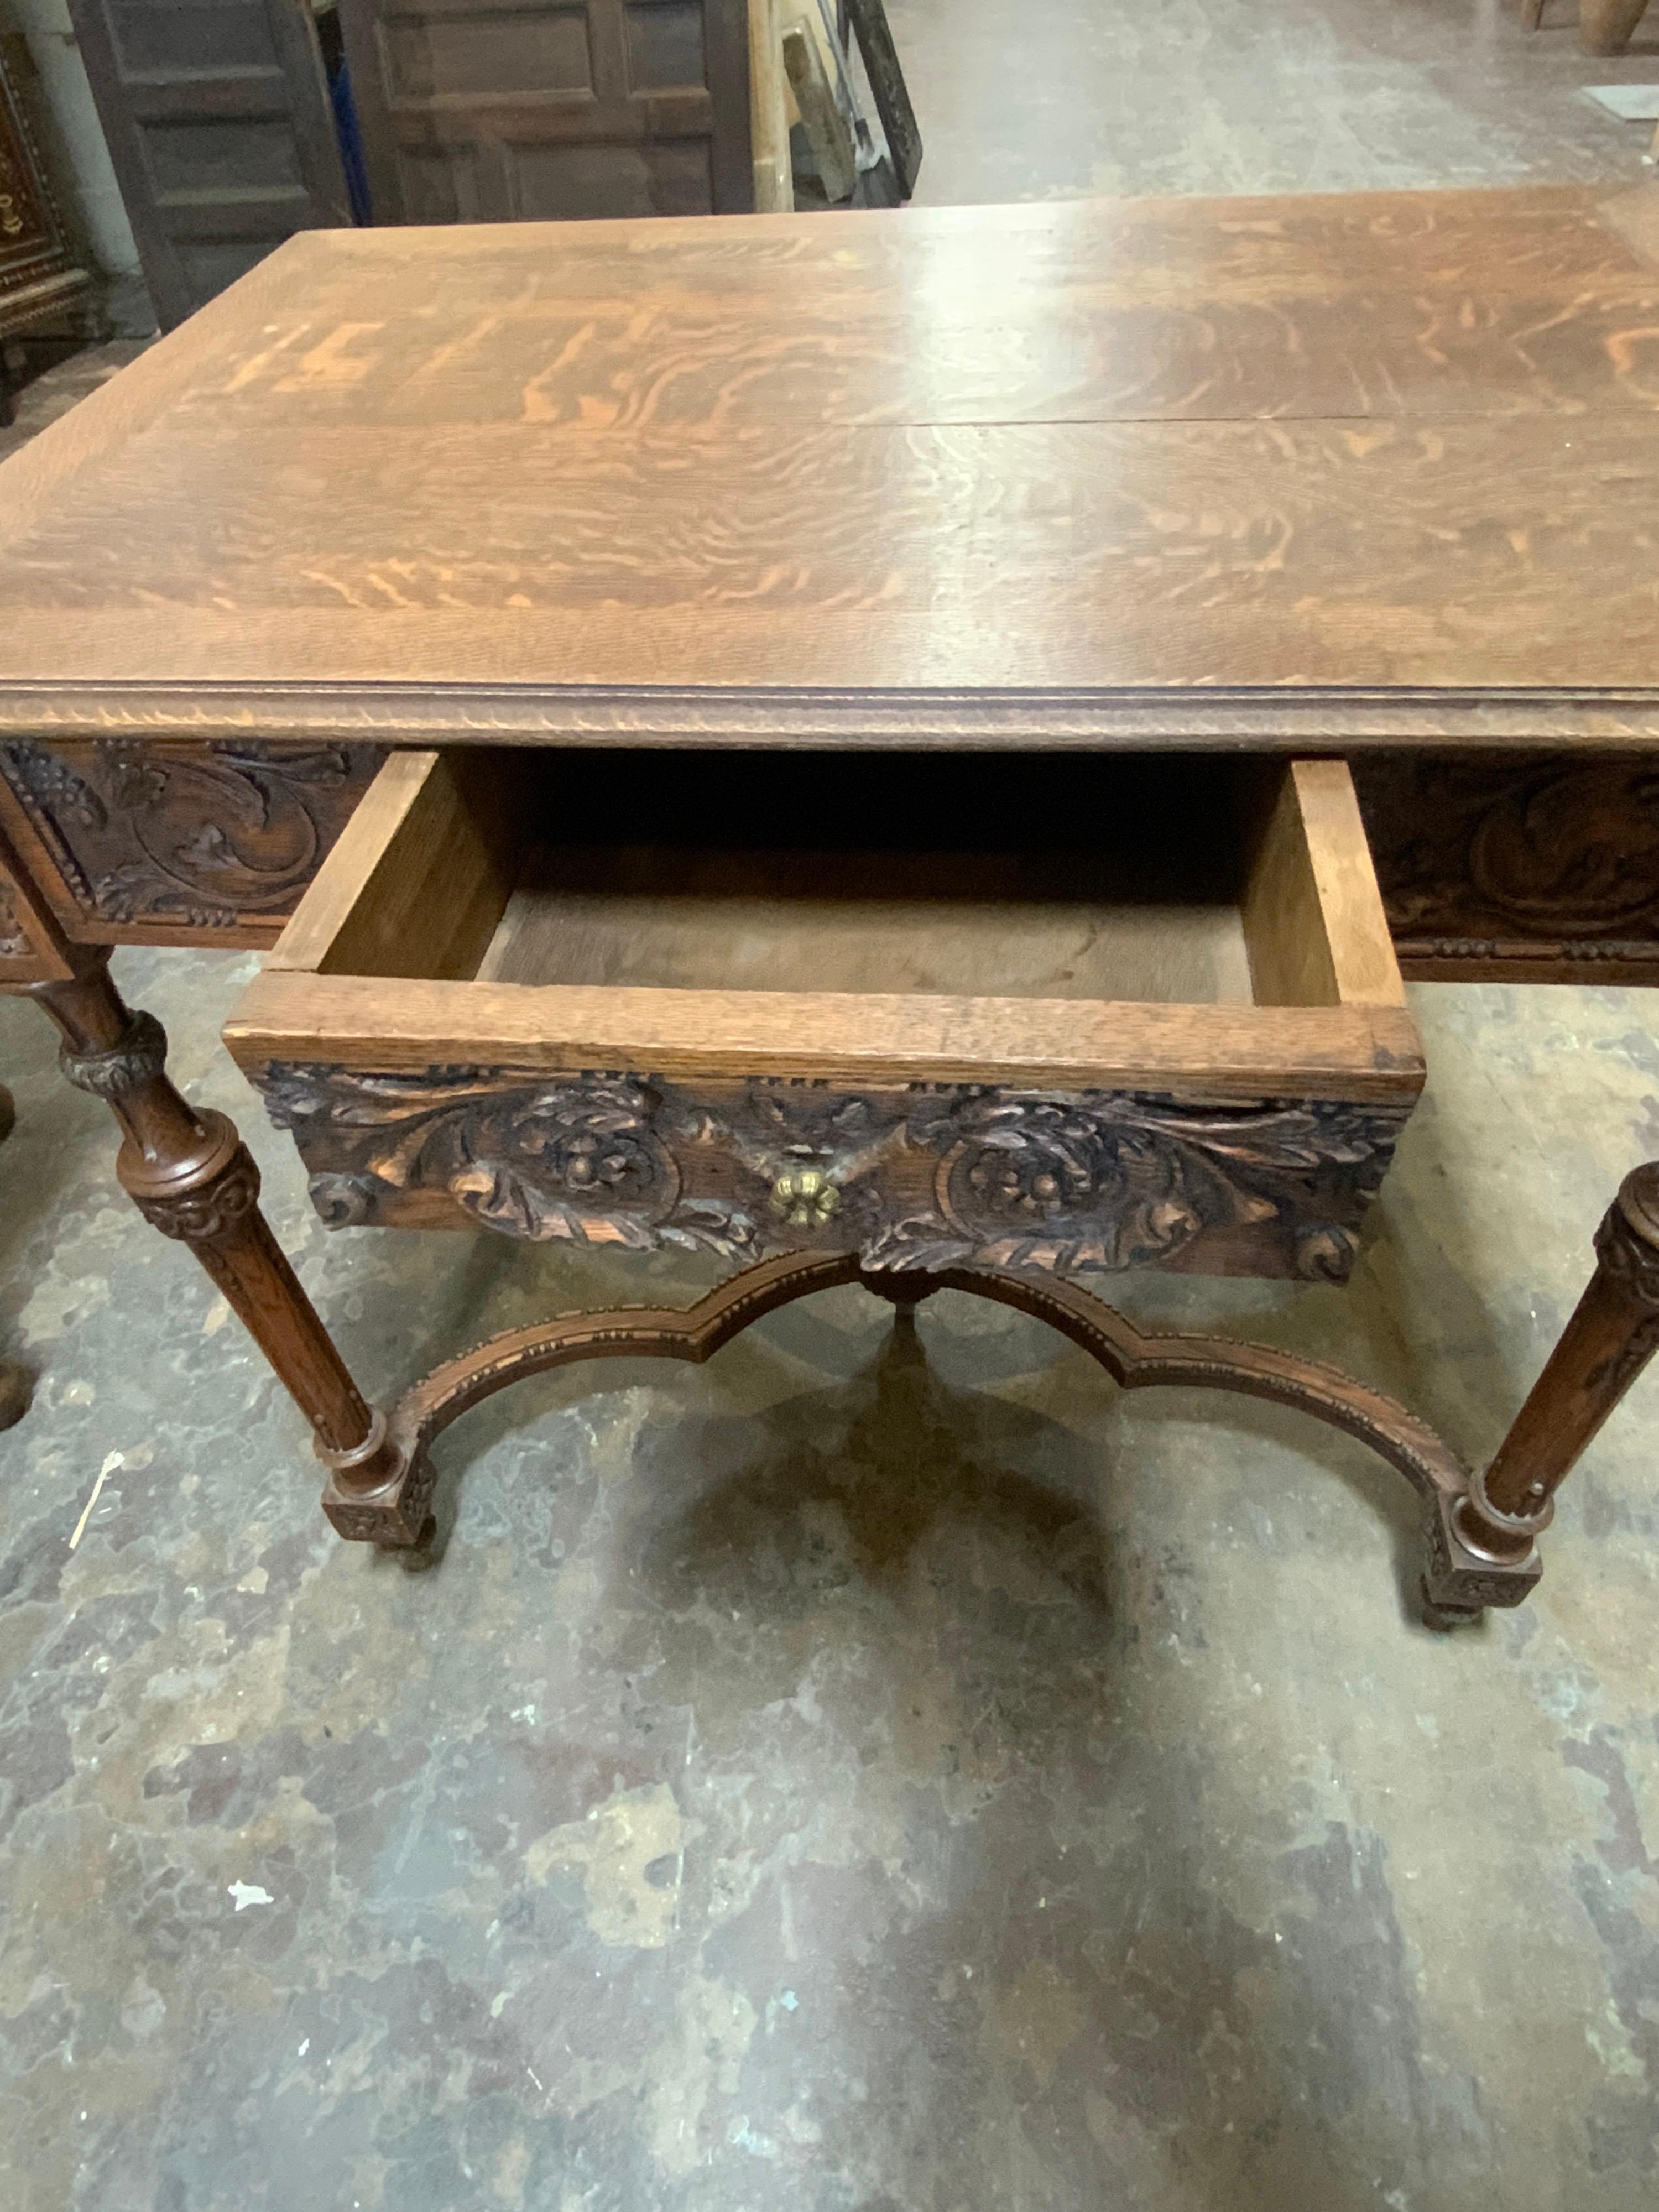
(1365, 468)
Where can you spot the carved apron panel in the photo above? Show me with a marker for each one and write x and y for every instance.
(924, 1177)
(1496, 856)
(209, 836)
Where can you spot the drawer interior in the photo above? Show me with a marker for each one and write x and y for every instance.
(883, 874)
(611, 907)
(1109, 878)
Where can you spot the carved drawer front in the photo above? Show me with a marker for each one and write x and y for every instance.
(169, 842)
(1113, 1013)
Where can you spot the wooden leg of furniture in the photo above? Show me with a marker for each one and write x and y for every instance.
(190, 1176)
(1459, 1581)
(13, 1393)
(1606, 27)
(1612, 1335)
(13, 1379)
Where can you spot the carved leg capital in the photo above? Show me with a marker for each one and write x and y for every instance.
(137, 1055)
(200, 1194)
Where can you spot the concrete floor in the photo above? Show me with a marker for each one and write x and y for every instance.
(823, 1781)
(1022, 99)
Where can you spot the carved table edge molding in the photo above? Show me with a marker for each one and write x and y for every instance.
(1323, 719)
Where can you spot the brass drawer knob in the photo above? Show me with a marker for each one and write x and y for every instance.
(805, 1197)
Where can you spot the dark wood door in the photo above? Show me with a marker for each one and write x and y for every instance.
(219, 126)
(485, 111)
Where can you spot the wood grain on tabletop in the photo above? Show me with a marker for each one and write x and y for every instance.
(1371, 440)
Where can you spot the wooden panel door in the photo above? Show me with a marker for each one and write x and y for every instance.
(219, 124)
(500, 111)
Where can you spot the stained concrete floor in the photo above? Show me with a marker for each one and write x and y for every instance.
(825, 1780)
(1051, 99)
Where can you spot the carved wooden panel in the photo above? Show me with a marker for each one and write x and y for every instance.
(220, 128)
(1541, 867)
(207, 841)
(923, 1178)
(523, 109)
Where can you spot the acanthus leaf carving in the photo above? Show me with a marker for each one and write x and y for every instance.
(1480, 854)
(201, 836)
(201, 1216)
(572, 1159)
(139, 1057)
(922, 1178)
(1103, 1181)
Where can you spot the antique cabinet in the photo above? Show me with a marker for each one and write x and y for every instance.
(552, 108)
(39, 274)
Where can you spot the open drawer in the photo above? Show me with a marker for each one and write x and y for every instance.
(1088, 1013)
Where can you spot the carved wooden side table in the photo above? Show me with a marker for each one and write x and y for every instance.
(712, 769)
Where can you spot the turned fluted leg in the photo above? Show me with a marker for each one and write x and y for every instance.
(190, 1176)
(1612, 1333)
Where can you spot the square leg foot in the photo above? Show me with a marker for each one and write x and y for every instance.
(1459, 1584)
(396, 1517)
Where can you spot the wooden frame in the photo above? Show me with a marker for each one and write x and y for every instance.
(769, 112)
(194, 1182)
(868, 20)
